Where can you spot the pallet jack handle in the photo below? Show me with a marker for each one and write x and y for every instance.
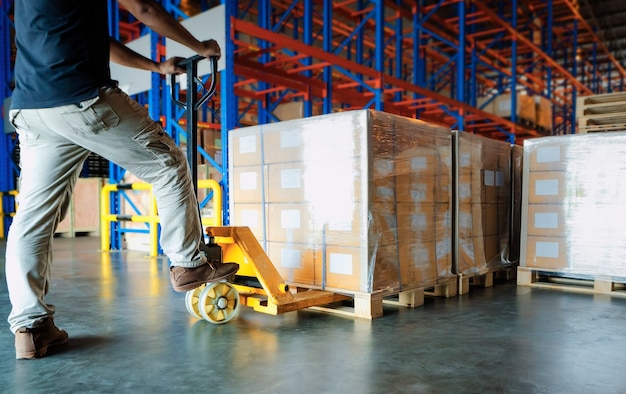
(192, 103)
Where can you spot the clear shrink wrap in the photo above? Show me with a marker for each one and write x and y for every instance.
(357, 201)
(482, 194)
(572, 210)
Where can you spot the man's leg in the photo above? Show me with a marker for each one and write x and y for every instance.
(120, 130)
(49, 168)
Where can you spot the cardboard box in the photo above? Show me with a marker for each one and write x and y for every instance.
(469, 188)
(546, 252)
(525, 107)
(549, 155)
(470, 220)
(415, 188)
(248, 184)
(486, 104)
(443, 188)
(547, 220)
(382, 182)
(492, 249)
(543, 112)
(418, 263)
(443, 221)
(547, 187)
(443, 251)
(418, 161)
(282, 145)
(342, 224)
(341, 268)
(471, 256)
(491, 219)
(383, 226)
(416, 222)
(245, 148)
(253, 216)
(294, 223)
(289, 110)
(294, 262)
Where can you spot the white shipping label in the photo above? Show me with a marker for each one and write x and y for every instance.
(291, 179)
(418, 221)
(465, 159)
(465, 191)
(249, 218)
(385, 192)
(341, 263)
(548, 249)
(383, 167)
(499, 178)
(505, 106)
(546, 220)
(444, 248)
(290, 139)
(547, 187)
(548, 154)
(290, 258)
(419, 163)
(247, 144)
(248, 181)
(490, 178)
(290, 218)
(465, 220)
(421, 258)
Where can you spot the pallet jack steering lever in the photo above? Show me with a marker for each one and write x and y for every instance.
(192, 103)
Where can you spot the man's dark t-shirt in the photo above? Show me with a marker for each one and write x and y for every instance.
(62, 52)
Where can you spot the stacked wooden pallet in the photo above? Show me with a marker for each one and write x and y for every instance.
(601, 112)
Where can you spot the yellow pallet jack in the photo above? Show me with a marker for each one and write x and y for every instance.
(257, 284)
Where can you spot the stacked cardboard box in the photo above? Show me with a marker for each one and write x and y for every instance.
(483, 197)
(525, 109)
(573, 213)
(543, 112)
(355, 201)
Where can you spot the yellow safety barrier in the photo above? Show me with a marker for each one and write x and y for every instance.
(2, 213)
(152, 219)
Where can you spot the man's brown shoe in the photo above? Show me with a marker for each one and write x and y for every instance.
(184, 279)
(34, 342)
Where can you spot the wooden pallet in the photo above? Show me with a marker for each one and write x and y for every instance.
(601, 112)
(554, 280)
(465, 281)
(370, 305)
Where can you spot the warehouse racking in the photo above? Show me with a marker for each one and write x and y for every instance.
(450, 62)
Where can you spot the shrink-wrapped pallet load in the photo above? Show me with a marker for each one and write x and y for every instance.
(482, 219)
(357, 201)
(573, 213)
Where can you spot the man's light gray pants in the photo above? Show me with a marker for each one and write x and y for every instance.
(54, 143)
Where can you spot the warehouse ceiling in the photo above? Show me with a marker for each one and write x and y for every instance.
(608, 16)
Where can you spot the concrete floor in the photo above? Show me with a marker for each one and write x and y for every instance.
(130, 333)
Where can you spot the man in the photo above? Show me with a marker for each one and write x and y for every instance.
(65, 105)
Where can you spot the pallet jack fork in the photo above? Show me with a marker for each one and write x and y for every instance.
(257, 284)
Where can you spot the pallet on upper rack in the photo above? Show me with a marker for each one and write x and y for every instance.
(601, 112)
(569, 282)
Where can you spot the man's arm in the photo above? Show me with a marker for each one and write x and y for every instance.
(121, 54)
(153, 15)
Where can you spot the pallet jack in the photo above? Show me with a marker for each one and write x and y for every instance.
(257, 284)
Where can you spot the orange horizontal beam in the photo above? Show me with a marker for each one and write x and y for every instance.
(495, 18)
